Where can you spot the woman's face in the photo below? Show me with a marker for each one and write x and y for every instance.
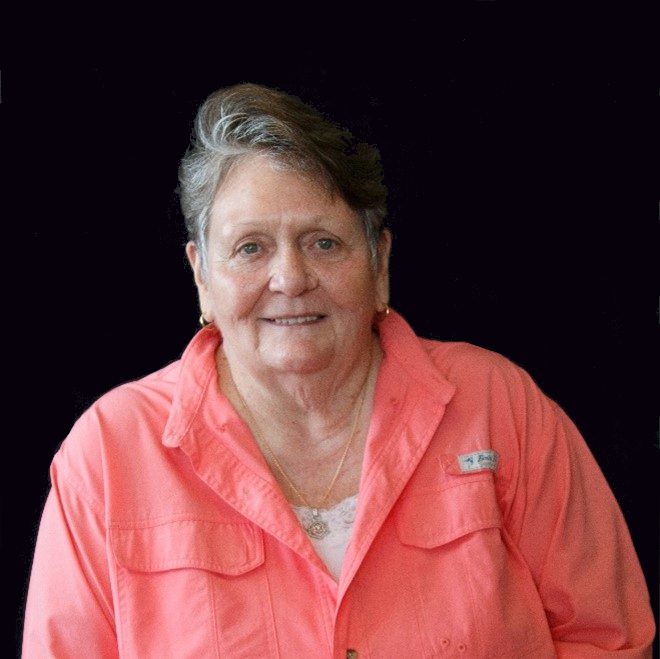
(289, 283)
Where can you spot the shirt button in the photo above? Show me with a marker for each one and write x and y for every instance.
(351, 654)
(444, 643)
(461, 647)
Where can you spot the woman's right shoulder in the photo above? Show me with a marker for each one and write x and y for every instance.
(140, 395)
(132, 401)
(125, 424)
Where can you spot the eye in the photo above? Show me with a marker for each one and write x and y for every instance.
(248, 249)
(326, 244)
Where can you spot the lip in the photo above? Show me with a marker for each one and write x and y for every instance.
(294, 320)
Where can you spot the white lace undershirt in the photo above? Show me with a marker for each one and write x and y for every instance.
(339, 518)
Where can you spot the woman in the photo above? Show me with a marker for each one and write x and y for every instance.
(310, 478)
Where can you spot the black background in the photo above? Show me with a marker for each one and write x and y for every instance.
(511, 145)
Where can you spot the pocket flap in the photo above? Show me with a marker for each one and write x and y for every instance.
(190, 543)
(432, 518)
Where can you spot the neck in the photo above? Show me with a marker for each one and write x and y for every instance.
(295, 410)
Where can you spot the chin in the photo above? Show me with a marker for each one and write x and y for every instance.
(299, 361)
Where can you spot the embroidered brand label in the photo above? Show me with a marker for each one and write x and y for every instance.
(478, 460)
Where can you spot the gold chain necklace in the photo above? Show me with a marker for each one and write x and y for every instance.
(317, 528)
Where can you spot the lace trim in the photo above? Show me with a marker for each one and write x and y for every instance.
(340, 519)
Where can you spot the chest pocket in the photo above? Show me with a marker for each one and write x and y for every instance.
(434, 518)
(477, 595)
(191, 588)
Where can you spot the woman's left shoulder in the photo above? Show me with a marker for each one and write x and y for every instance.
(461, 362)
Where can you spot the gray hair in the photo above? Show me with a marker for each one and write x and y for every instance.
(249, 119)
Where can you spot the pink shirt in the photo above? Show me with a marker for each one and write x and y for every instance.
(165, 534)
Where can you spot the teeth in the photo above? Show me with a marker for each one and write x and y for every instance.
(295, 321)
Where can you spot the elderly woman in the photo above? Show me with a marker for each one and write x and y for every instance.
(311, 479)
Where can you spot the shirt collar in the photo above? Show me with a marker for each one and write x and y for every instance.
(197, 376)
(406, 354)
(196, 387)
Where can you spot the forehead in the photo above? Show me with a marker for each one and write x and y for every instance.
(258, 190)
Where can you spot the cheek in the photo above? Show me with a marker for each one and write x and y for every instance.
(355, 289)
(234, 296)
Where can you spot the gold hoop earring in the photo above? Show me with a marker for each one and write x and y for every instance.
(382, 314)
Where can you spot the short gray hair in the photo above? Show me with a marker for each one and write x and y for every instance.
(249, 119)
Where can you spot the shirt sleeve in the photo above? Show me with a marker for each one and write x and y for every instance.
(69, 606)
(572, 534)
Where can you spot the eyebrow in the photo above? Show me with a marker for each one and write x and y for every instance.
(247, 224)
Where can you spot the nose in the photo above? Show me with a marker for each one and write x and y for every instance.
(291, 274)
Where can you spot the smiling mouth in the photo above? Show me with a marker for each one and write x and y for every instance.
(294, 320)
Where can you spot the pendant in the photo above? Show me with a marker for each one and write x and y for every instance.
(317, 529)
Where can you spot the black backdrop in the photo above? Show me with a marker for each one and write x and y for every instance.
(510, 147)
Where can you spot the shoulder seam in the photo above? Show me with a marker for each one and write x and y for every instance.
(79, 489)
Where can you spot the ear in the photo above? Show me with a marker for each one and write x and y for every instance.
(196, 264)
(383, 268)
